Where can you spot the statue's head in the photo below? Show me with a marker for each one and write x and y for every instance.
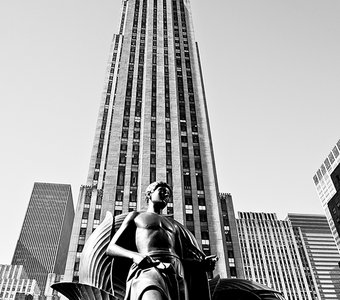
(165, 192)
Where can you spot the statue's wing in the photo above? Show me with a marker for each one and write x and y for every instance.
(95, 265)
(192, 256)
(98, 269)
(190, 247)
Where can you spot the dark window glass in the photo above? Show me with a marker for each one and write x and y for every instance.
(203, 216)
(123, 147)
(97, 214)
(121, 175)
(199, 181)
(152, 175)
(122, 158)
(188, 200)
(134, 178)
(187, 182)
(189, 217)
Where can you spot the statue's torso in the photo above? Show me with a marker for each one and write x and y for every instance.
(154, 232)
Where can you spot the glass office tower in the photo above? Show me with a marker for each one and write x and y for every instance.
(45, 234)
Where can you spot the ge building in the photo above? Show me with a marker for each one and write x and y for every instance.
(153, 125)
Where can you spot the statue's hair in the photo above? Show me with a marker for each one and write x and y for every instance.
(153, 186)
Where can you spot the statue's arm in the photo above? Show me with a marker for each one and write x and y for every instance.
(115, 250)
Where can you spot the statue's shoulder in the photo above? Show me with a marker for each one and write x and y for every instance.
(177, 224)
(127, 217)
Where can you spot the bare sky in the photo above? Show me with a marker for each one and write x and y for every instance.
(271, 70)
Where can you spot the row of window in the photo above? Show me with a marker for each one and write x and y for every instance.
(127, 113)
(185, 90)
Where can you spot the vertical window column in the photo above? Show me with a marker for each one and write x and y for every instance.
(153, 95)
(126, 117)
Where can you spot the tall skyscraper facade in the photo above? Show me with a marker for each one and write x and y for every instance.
(319, 254)
(152, 125)
(271, 255)
(327, 183)
(45, 234)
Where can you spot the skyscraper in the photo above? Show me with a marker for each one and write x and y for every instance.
(319, 254)
(45, 234)
(327, 183)
(152, 125)
(271, 255)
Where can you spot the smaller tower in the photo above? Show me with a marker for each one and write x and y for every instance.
(319, 254)
(235, 266)
(270, 254)
(45, 234)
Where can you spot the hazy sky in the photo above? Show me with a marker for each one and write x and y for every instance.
(271, 71)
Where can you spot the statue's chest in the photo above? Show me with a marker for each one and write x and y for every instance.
(152, 221)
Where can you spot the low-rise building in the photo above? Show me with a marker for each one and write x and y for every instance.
(14, 284)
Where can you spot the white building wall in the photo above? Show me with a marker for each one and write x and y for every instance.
(270, 254)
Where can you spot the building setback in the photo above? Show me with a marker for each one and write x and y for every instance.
(231, 236)
(319, 252)
(271, 255)
(45, 234)
(327, 183)
(152, 125)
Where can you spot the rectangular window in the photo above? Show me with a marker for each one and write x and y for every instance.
(125, 133)
(153, 134)
(169, 177)
(184, 139)
(152, 174)
(97, 214)
(185, 151)
(186, 164)
(136, 135)
(153, 146)
(123, 147)
(134, 178)
(135, 159)
(203, 216)
(121, 176)
(187, 182)
(133, 196)
(122, 158)
(199, 182)
(189, 217)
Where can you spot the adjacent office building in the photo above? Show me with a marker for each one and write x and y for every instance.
(319, 254)
(45, 234)
(153, 125)
(50, 293)
(327, 183)
(15, 284)
(271, 255)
